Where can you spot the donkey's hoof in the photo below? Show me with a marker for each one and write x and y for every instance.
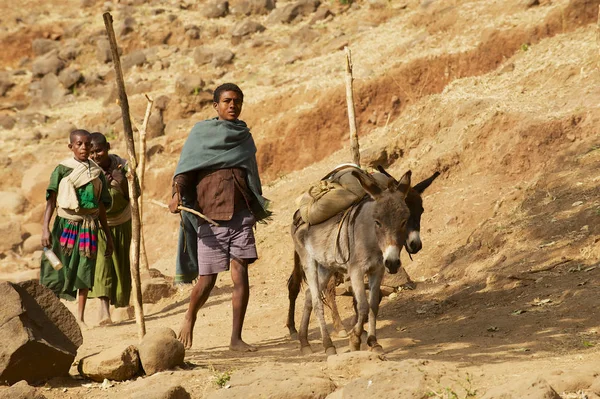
(330, 351)
(306, 350)
(293, 336)
(342, 334)
(377, 349)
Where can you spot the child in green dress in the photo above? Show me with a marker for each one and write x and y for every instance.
(113, 276)
(79, 192)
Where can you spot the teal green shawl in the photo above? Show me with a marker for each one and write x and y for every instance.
(220, 144)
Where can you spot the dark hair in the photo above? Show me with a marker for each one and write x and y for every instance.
(77, 133)
(98, 138)
(227, 87)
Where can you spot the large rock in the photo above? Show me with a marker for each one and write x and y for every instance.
(70, 77)
(245, 28)
(6, 83)
(32, 243)
(10, 231)
(137, 58)
(253, 7)
(305, 381)
(42, 46)
(35, 181)
(163, 392)
(160, 350)
(12, 203)
(156, 288)
(47, 63)
(527, 388)
(53, 91)
(216, 9)
(39, 336)
(6, 121)
(115, 364)
(21, 390)
(217, 57)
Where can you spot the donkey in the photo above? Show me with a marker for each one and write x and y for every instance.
(375, 231)
(413, 245)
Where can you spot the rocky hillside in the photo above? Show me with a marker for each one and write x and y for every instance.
(501, 97)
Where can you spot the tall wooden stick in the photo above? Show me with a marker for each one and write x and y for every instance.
(141, 172)
(132, 179)
(354, 148)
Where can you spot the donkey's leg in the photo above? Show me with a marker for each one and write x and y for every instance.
(374, 299)
(362, 308)
(338, 325)
(303, 335)
(323, 277)
(294, 284)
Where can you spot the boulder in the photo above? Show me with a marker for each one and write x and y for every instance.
(321, 14)
(21, 390)
(69, 77)
(39, 336)
(245, 28)
(253, 7)
(35, 181)
(526, 388)
(103, 53)
(188, 84)
(12, 203)
(284, 15)
(6, 83)
(126, 27)
(137, 58)
(70, 50)
(115, 364)
(6, 121)
(52, 90)
(156, 288)
(304, 380)
(10, 231)
(160, 350)
(32, 243)
(43, 46)
(47, 63)
(222, 57)
(156, 126)
(217, 9)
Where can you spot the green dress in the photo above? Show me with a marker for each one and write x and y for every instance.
(113, 275)
(78, 271)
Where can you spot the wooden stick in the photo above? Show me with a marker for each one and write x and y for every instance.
(354, 148)
(132, 179)
(190, 210)
(141, 172)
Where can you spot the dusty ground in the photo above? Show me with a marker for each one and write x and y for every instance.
(500, 97)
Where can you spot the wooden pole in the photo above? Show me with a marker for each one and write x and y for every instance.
(354, 148)
(141, 171)
(132, 179)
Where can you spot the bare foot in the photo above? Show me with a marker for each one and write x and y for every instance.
(186, 333)
(105, 322)
(241, 346)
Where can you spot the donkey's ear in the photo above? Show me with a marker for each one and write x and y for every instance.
(404, 184)
(382, 170)
(368, 183)
(420, 187)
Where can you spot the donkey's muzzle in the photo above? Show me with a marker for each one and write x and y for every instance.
(392, 265)
(413, 242)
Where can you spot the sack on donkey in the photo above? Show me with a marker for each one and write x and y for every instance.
(335, 193)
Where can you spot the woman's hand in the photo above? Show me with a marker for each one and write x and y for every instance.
(46, 238)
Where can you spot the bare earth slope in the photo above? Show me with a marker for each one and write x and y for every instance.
(500, 97)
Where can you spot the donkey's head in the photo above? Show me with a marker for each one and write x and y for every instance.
(414, 201)
(390, 216)
(415, 204)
